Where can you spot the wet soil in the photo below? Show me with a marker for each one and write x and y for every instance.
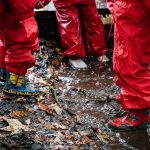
(87, 100)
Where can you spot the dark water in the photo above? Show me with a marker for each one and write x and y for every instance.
(87, 94)
(91, 96)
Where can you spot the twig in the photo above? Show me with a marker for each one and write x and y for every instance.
(55, 98)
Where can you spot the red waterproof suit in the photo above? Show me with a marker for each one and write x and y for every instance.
(18, 35)
(132, 51)
(80, 26)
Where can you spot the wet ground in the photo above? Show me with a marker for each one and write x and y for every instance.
(71, 112)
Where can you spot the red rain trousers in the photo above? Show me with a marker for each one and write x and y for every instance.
(18, 35)
(81, 28)
(132, 51)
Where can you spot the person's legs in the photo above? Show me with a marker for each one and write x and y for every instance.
(2, 57)
(21, 40)
(93, 29)
(70, 30)
(131, 64)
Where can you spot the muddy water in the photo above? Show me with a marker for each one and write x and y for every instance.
(91, 97)
(84, 93)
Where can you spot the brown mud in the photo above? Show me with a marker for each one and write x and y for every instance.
(71, 112)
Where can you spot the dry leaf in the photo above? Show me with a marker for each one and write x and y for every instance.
(45, 108)
(52, 72)
(52, 125)
(55, 62)
(104, 137)
(28, 121)
(46, 125)
(87, 140)
(58, 50)
(19, 114)
(40, 98)
(58, 126)
(84, 133)
(57, 109)
(15, 126)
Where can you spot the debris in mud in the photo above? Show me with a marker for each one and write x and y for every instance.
(19, 141)
(14, 126)
(71, 105)
(19, 114)
(7, 107)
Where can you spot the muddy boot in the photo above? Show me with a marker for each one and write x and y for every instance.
(134, 119)
(17, 85)
(2, 75)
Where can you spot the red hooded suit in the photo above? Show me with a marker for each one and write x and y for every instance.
(80, 26)
(132, 51)
(18, 35)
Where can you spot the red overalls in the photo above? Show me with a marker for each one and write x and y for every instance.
(132, 51)
(81, 29)
(18, 35)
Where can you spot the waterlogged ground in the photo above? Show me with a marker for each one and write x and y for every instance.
(71, 112)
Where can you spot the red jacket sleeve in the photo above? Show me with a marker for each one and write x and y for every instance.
(147, 4)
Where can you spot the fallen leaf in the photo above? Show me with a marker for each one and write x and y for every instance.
(57, 140)
(87, 140)
(51, 125)
(45, 108)
(84, 133)
(14, 126)
(104, 137)
(58, 126)
(19, 114)
(55, 62)
(57, 109)
(58, 50)
(46, 125)
(52, 72)
(28, 121)
(40, 98)
(21, 99)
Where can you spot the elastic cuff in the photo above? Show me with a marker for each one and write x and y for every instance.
(16, 71)
(2, 65)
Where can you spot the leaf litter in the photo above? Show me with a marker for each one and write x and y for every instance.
(71, 111)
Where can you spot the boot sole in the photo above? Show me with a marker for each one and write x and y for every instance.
(9, 97)
(16, 93)
(117, 129)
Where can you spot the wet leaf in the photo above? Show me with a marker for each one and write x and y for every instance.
(48, 109)
(58, 50)
(55, 62)
(58, 126)
(19, 114)
(28, 121)
(84, 133)
(57, 140)
(40, 98)
(52, 72)
(15, 126)
(87, 140)
(104, 137)
(51, 125)
(57, 109)
(42, 56)
(46, 125)
(21, 99)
